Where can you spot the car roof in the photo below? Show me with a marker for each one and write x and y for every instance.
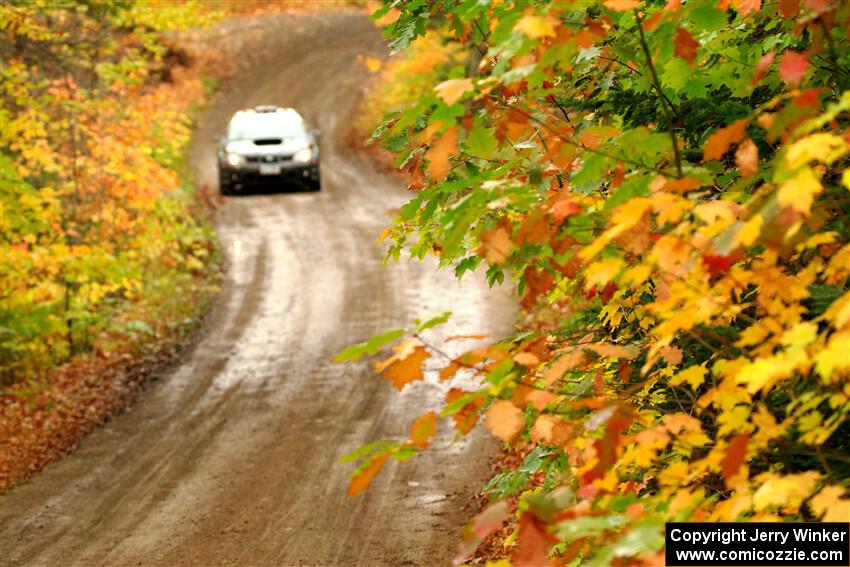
(286, 114)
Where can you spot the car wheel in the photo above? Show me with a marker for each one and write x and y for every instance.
(315, 185)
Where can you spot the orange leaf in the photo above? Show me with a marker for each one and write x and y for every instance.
(504, 420)
(685, 45)
(747, 6)
(747, 158)
(466, 418)
(532, 548)
(453, 90)
(438, 156)
(621, 5)
(718, 143)
(405, 365)
(360, 481)
(736, 455)
(496, 245)
(423, 429)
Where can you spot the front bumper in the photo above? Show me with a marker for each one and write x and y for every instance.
(262, 172)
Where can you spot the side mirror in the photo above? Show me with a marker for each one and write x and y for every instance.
(316, 133)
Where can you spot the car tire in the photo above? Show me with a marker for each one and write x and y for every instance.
(315, 185)
(225, 187)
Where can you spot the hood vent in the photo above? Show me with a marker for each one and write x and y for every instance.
(268, 142)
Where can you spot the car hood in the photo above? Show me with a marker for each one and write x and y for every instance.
(248, 147)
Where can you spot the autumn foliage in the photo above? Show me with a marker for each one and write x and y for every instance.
(104, 246)
(667, 184)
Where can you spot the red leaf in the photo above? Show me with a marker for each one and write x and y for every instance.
(717, 264)
(685, 44)
(736, 455)
(793, 67)
(484, 524)
(789, 8)
(761, 67)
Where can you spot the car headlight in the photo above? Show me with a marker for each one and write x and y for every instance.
(233, 159)
(303, 156)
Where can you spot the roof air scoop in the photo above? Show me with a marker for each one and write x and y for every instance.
(268, 141)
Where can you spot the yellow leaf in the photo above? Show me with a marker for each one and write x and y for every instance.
(836, 356)
(601, 272)
(786, 492)
(535, 27)
(749, 232)
(762, 373)
(823, 146)
(799, 191)
(830, 505)
(800, 335)
(453, 90)
(692, 375)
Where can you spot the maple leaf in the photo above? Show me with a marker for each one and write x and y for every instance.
(621, 5)
(496, 246)
(799, 191)
(787, 491)
(750, 232)
(747, 6)
(423, 429)
(830, 504)
(735, 457)
(361, 480)
(504, 420)
(535, 27)
(532, 548)
(438, 156)
(452, 90)
(793, 67)
(718, 143)
(405, 365)
(685, 45)
(747, 158)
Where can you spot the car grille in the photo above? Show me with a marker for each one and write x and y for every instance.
(268, 159)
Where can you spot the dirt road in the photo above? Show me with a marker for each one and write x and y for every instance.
(231, 459)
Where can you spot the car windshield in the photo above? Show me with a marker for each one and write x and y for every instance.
(254, 126)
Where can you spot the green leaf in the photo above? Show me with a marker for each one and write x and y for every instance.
(432, 322)
(370, 347)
